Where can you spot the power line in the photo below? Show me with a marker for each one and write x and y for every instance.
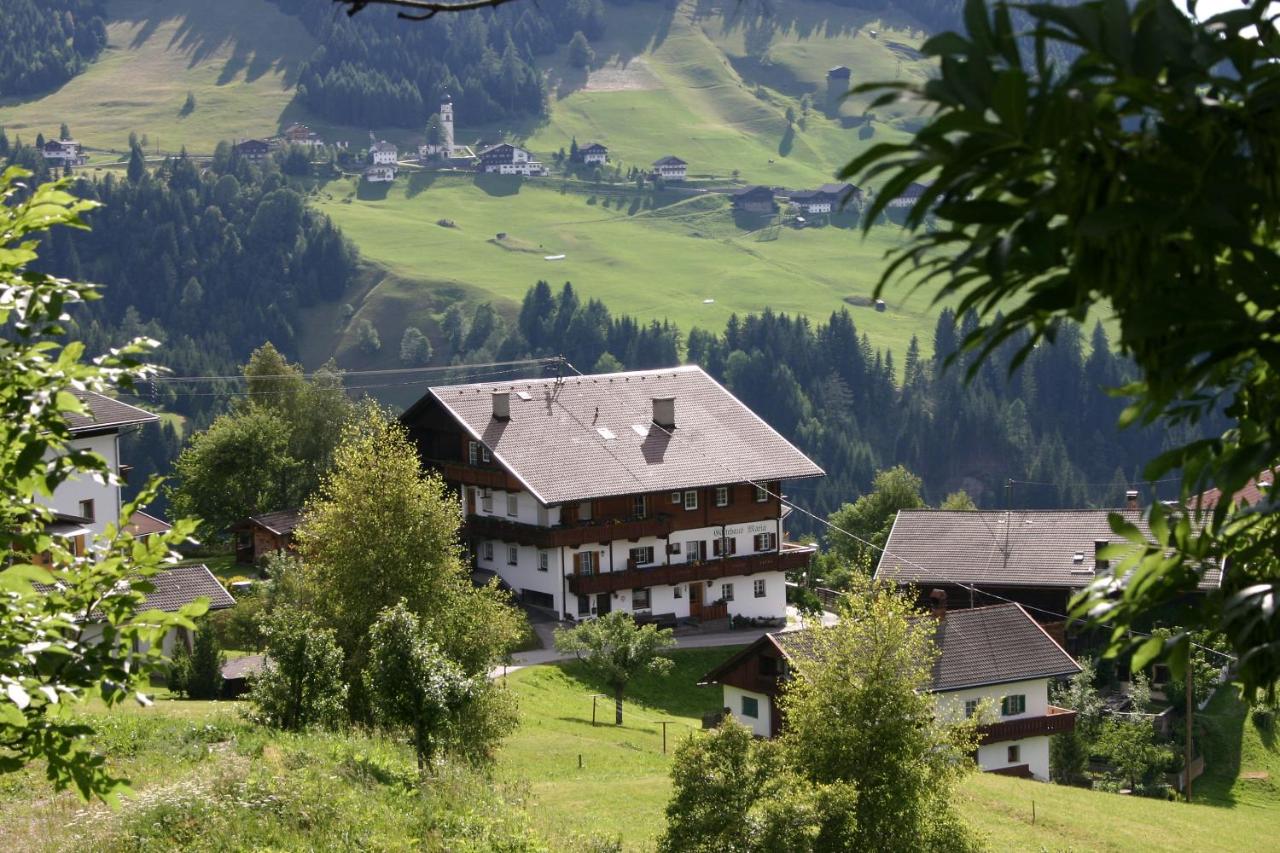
(344, 388)
(341, 373)
(738, 477)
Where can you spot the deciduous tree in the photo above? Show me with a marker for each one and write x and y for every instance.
(1140, 172)
(872, 673)
(301, 683)
(616, 649)
(413, 684)
(47, 662)
(381, 530)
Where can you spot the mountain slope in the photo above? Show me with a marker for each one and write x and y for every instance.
(238, 58)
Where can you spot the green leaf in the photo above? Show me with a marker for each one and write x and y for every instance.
(1147, 652)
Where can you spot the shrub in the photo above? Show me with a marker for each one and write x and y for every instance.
(300, 685)
(240, 627)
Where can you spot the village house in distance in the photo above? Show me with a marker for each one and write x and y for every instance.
(623, 491)
(995, 656)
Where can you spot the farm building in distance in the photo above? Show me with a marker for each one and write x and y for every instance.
(507, 159)
(670, 168)
(754, 199)
(613, 492)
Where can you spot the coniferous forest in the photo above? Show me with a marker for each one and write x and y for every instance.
(373, 70)
(44, 43)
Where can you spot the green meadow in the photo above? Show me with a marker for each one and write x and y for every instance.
(686, 260)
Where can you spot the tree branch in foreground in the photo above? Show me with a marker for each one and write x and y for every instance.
(422, 9)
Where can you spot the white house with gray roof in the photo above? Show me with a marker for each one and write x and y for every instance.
(995, 660)
(655, 492)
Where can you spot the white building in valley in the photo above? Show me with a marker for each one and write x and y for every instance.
(654, 492)
(994, 659)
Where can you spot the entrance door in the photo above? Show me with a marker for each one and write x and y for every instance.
(695, 599)
(471, 501)
(603, 600)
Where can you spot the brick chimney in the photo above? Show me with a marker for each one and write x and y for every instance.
(1131, 499)
(502, 405)
(664, 412)
(938, 604)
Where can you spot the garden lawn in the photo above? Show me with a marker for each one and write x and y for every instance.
(623, 785)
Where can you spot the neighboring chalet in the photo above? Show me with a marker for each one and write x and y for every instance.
(380, 174)
(670, 169)
(174, 588)
(593, 153)
(260, 535)
(1039, 558)
(1257, 491)
(998, 655)
(622, 491)
(97, 504)
(384, 153)
(507, 159)
(828, 198)
(252, 149)
(300, 134)
(64, 152)
(754, 199)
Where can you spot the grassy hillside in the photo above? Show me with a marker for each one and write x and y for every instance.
(239, 58)
(662, 261)
(712, 85)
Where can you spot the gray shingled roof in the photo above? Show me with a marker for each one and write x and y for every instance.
(243, 667)
(184, 584)
(591, 436)
(669, 160)
(279, 522)
(105, 413)
(978, 647)
(1034, 548)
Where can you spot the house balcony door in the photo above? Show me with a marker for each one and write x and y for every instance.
(695, 599)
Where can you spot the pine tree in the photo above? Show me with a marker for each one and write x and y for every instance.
(137, 164)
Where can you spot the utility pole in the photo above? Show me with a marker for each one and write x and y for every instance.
(1190, 710)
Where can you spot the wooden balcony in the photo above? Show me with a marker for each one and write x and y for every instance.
(571, 536)
(469, 475)
(790, 558)
(1058, 720)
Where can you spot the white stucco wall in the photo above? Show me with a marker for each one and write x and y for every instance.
(1032, 751)
(760, 726)
(106, 499)
(1037, 693)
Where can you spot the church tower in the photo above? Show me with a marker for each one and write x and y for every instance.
(446, 125)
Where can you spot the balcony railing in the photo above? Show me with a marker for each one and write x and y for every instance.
(790, 558)
(1056, 721)
(491, 527)
(456, 472)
